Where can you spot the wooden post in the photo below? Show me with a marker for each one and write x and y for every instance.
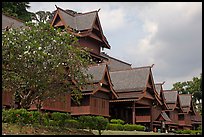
(151, 119)
(133, 113)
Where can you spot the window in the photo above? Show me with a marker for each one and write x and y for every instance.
(181, 117)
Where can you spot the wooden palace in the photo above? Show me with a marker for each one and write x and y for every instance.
(117, 90)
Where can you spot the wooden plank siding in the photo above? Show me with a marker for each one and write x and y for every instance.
(60, 103)
(92, 44)
(7, 98)
(173, 115)
(142, 118)
(96, 106)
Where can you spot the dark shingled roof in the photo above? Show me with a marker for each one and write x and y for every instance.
(185, 100)
(116, 64)
(130, 80)
(11, 22)
(78, 21)
(83, 23)
(96, 71)
(158, 88)
(170, 96)
(129, 95)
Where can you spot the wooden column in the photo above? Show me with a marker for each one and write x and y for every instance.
(133, 112)
(151, 119)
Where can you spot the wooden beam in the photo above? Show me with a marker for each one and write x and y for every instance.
(133, 113)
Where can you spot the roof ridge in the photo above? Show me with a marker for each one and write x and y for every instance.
(185, 94)
(65, 11)
(15, 18)
(115, 58)
(142, 67)
(130, 69)
(87, 12)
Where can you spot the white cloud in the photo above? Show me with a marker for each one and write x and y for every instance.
(168, 35)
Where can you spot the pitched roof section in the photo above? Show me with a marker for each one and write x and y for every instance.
(97, 71)
(130, 80)
(158, 88)
(165, 116)
(78, 21)
(116, 64)
(81, 22)
(11, 22)
(185, 100)
(170, 96)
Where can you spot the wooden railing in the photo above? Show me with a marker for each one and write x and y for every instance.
(142, 118)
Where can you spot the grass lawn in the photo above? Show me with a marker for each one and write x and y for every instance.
(110, 132)
(14, 129)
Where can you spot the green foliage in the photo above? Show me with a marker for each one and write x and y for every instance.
(60, 118)
(140, 128)
(200, 127)
(101, 123)
(17, 9)
(42, 16)
(192, 132)
(117, 121)
(40, 61)
(193, 87)
(20, 116)
(130, 127)
(86, 122)
(72, 123)
(118, 127)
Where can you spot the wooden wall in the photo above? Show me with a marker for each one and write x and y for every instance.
(7, 98)
(62, 103)
(91, 44)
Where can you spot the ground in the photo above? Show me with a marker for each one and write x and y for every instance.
(13, 129)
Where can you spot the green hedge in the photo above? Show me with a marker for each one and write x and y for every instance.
(117, 121)
(192, 132)
(115, 127)
(72, 123)
(20, 116)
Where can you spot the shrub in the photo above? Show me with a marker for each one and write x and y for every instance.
(117, 121)
(72, 123)
(60, 118)
(115, 126)
(186, 131)
(100, 123)
(5, 116)
(140, 127)
(86, 122)
(130, 127)
(192, 132)
(35, 117)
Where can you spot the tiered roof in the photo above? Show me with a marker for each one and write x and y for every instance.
(80, 24)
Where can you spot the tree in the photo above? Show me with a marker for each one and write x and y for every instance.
(17, 9)
(101, 123)
(193, 87)
(42, 16)
(40, 62)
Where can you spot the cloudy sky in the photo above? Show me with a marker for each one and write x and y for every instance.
(168, 35)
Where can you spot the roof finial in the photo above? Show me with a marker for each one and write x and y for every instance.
(99, 9)
(163, 82)
(56, 6)
(152, 65)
